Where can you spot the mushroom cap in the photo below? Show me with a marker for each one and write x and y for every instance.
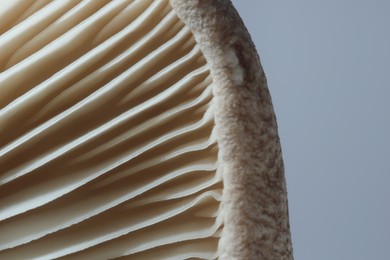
(140, 129)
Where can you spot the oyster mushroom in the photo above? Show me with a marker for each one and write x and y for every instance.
(137, 129)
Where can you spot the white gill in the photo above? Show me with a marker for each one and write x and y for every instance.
(107, 144)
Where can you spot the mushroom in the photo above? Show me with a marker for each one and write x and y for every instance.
(138, 129)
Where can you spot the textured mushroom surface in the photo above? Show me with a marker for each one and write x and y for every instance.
(136, 129)
(106, 132)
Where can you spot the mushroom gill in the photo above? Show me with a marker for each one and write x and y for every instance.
(107, 143)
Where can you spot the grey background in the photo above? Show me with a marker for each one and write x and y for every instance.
(327, 64)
